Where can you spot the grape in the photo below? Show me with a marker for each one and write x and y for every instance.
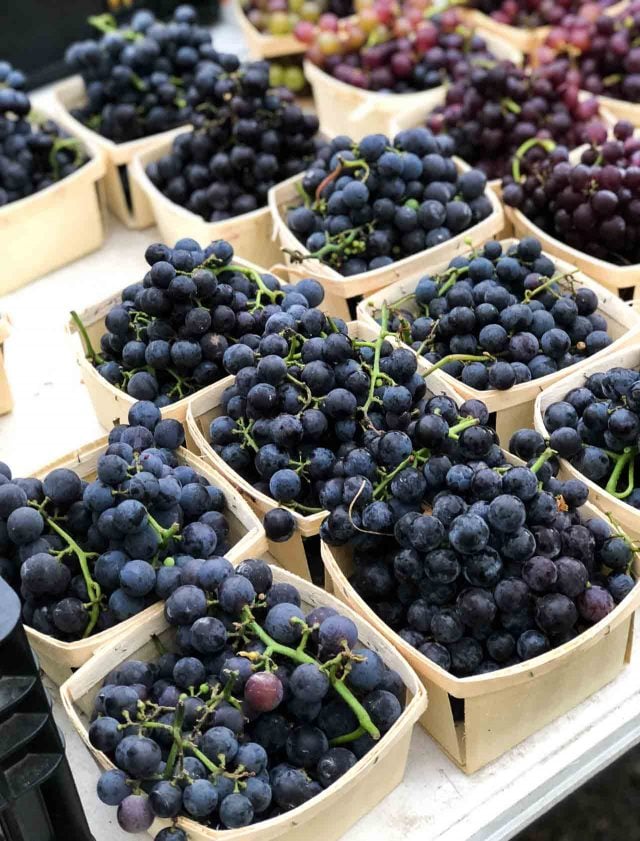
(135, 814)
(113, 787)
(264, 692)
(200, 798)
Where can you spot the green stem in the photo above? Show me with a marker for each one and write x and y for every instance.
(627, 461)
(542, 459)
(531, 293)
(272, 295)
(547, 145)
(302, 657)
(409, 460)
(384, 325)
(347, 737)
(165, 535)
(177, 740)
(90, 353)
(458, 357)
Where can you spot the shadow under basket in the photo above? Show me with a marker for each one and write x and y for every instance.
(299, 553)
(246, 538)
(324, 818)
(477, 719)
(124, 198)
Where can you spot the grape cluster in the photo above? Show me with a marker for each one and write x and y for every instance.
(368, 204)
(280, 17)
(478, 564)
(33, 155)
(85, 556)
(246, 139)
(603, 55)
(381, 49)
(490, 113)
(528, 14)
(138, 78)
(287, 73)
(495, 318)
(262, 706)
(597, 428)
(594, 205)
(168, 336)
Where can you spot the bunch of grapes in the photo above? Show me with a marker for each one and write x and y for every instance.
(287, 73)
(597, 428)
(594, 205)
(529, 14)
(168, 336)
(367, 204)
(603, 54)
(494, 318)
(382, 48)
(137, 78)
(281, 17)
(496, 108)
(85, 556)
(259, 706)
(33, 155)
(246, 139)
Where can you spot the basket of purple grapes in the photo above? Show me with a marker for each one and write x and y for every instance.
(493, 576)
(592, 420)
(94, 540)
(502, 323)
(255, 701)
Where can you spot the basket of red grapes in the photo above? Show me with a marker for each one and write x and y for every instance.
(96, 540)
(270, 24)
(37, 155)
(593, 421)
(383, 49)
(585, 207)
(362, 207)
(262, 693)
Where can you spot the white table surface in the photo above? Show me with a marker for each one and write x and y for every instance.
(53, 415)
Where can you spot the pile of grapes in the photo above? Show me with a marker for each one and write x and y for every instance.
(138, 78)
(170, 334)
(494, 318)
(593, 205)
(493, 110)
(246, 139)
(499, 570)
(529, 14)
(287, 73)
(602, 55)
(383, 49)
(597, 428)
(367, 204)
(280, 17)
(33, 155)
(262, 707)
(86, 555)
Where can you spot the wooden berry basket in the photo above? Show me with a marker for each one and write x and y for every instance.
(503, 708)
(65, 220)
(263, 45)
(251, 234)
(339, 290)
(346, 109)
(133, 210)
(6, 399)
(515, 407)
(608, 274)
(112, 404)
(622, 110)
(628, 357)
(207, 405)
(59, 659)
(324, 818)
(525, 40)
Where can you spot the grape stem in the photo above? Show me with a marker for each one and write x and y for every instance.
(302, 657)
(384, 324)
(547, 145)
(165, 535)
(542, 459)
(89, 352)
(414, 458)
(626, 461)
(347, 737)
(459, 357)
(93, 588)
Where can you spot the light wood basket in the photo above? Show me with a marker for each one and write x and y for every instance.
(112, 404)
(525, 40)
(622, 110)
(340, 289)
(204, 407)
(324, 818)
(133, 211)
(6, 398)
(628, 357)
(54, 226)
(346, 109)
(58, 659)
(515, 406)
(263, 45)
(250, 234)
(608, 274)
(503, 708)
